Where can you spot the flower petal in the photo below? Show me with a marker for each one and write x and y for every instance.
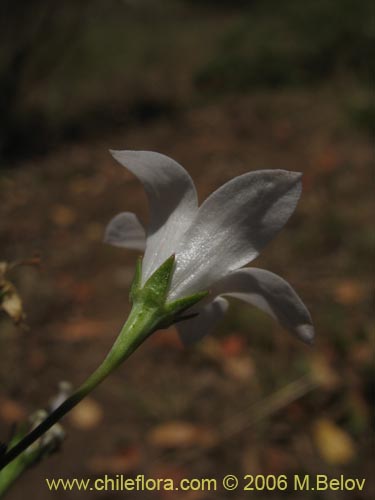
(194, 329)
(271, 294)
(232, 226)
(173, 202)
(125, 230)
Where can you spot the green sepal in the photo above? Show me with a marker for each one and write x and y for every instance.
(136, 284)
(155, 290)
(152, 296)
(173, 310)
(179, 305)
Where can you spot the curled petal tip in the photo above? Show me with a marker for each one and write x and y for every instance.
(119, 154)
(115, 153)
(298, 175)
(306, 333)
(125, 230)
(289, 174)
(286, 173)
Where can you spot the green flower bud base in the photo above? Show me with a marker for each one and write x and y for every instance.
(150, 311)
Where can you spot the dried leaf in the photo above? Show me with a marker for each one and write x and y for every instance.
(240, 368)
(323, 373)
(84, 328)
(233, 345)
(179, 434)
(86, 415)
(10, 302)
(11, 411)
(334, 444)
(63, 216)
(350, 292)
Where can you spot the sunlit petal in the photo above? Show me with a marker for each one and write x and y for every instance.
(232, 226)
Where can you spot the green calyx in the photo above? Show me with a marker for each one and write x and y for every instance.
(153, 295)
(150, 311)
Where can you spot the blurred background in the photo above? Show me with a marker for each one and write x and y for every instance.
(223, 87)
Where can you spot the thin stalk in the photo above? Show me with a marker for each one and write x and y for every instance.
(140, 324)
(15, 469)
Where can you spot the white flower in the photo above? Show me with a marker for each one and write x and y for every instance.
(213, 242)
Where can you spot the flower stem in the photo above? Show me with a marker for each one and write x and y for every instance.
(141, 322)
(14, 470)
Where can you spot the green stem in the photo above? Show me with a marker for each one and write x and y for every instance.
(14, 470)
(141, 322)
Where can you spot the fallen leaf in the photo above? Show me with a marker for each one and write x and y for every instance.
(11, 411)
(10, 302)
(86, 415)
(323, 373)
(334, 444)
(62, 216)
(179, 434)
(84, 328)
(239, 368)
(350, 292)
(233, 345)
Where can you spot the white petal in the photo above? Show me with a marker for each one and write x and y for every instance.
(232, 226)
(125, 230)
(173, 202)
(271, 294)
(193, 329)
